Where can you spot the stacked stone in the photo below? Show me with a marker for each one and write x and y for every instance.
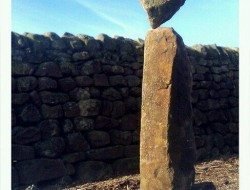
(75, 107)
(215, 99)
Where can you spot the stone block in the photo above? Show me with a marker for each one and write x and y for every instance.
(38, 170)
(167, 142)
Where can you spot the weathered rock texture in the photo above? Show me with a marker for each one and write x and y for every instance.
(160, 11)
(62, 108)
(167, 149)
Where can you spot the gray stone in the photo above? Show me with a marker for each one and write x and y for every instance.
(111, 94)
(26, 84)
(35, 98)
(21, 152)
(79, 94)
(117, 80)
(19, 41)
(30, 114)
(107, 153)
(81, 56)
(83, 81)
(46, 83)
(121, 137)
(130, 122)
(133, 80)
(103, 122)
(161, 11)
(67, 84)
(117, 69)
(56, 41)
(22, 69)
(91, 44)
(25, 135)
(74, 157)
(67, 126)
(37, 170)
(118, 109)
(89, 107)
(49, 128)
(68, 69)
(93, 171)
(101, 80)
(51, 148)
(124, 92)
(216, 116)
(108, 43)
(71, 109)
(76, 142)
(53, 98)
(94, 92)
(19, 98)
(91, 67)
(84, 124)
(52, 112)
(126, 166)
(107, 107)
(74, 43)
(48, 69)
(39, 42)
(98, 138)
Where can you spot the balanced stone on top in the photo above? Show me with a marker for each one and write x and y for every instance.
(160, 11)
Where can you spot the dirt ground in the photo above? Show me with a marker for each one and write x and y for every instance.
(219, 174)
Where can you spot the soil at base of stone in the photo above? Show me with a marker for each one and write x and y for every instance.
(222, 173)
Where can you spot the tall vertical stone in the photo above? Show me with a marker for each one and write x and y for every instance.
(167, 149)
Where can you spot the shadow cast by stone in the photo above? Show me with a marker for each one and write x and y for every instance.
(204, 186)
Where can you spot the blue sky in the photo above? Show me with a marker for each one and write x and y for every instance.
(198, 21)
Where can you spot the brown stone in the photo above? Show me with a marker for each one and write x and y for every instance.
(160, 11)
(167, 149)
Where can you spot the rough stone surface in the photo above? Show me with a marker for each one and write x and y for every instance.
(126, 166)
(76, 142)
(167, 157)
(20, 152)
(98, 138)
(108, 153)
(160, 11)
(49, 128)
(83, 123)
(33, 171)
(50, 148)
(48, 63)
(27, 135)
(89, 107)
(52, 112)
(93, 171)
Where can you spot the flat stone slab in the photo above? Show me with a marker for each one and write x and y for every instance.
(167, 146)
(160, 11)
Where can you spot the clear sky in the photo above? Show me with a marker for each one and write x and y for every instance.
(198, 21)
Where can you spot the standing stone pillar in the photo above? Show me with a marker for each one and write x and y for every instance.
(167, 149)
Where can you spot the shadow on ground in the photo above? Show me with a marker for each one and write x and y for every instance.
(204, 186)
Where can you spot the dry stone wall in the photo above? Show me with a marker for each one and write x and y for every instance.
(76, 106)
(215, 99)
